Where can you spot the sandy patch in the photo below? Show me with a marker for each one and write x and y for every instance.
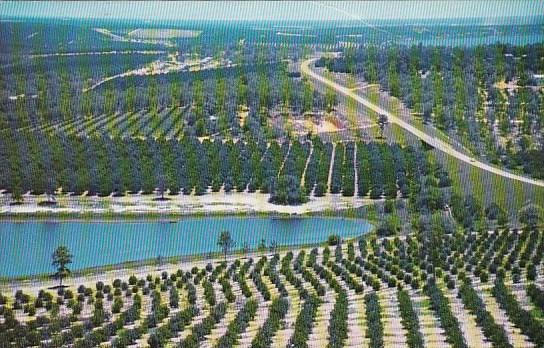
(324, 126)
(242, 115)
(512, 85)
(212, 202)
(163, 33)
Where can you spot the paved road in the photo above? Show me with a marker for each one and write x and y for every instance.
(434, 142)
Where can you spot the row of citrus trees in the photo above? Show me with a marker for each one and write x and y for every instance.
(42, 163)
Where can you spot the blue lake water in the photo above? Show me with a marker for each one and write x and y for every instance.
(26, 247)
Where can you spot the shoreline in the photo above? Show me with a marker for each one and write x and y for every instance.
(94, 217)
(173, 218)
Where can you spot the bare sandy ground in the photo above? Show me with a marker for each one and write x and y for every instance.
(216, 202)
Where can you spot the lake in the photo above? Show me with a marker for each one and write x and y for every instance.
(27, 246)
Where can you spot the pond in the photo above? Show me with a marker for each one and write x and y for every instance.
(27, 246)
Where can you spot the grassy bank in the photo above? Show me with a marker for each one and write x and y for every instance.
(90, 216)
(128, 216)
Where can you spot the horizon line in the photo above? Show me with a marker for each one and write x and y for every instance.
(9, 17)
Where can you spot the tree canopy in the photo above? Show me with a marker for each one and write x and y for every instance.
(60, 259)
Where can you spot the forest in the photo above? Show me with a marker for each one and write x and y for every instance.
(488, 97)
(317, 292)
(289, 171)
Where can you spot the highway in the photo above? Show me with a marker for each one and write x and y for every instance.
(432, 141)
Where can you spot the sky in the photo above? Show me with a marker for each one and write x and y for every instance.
(272, 10)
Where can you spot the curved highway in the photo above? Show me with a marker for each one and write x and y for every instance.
(434, 142)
